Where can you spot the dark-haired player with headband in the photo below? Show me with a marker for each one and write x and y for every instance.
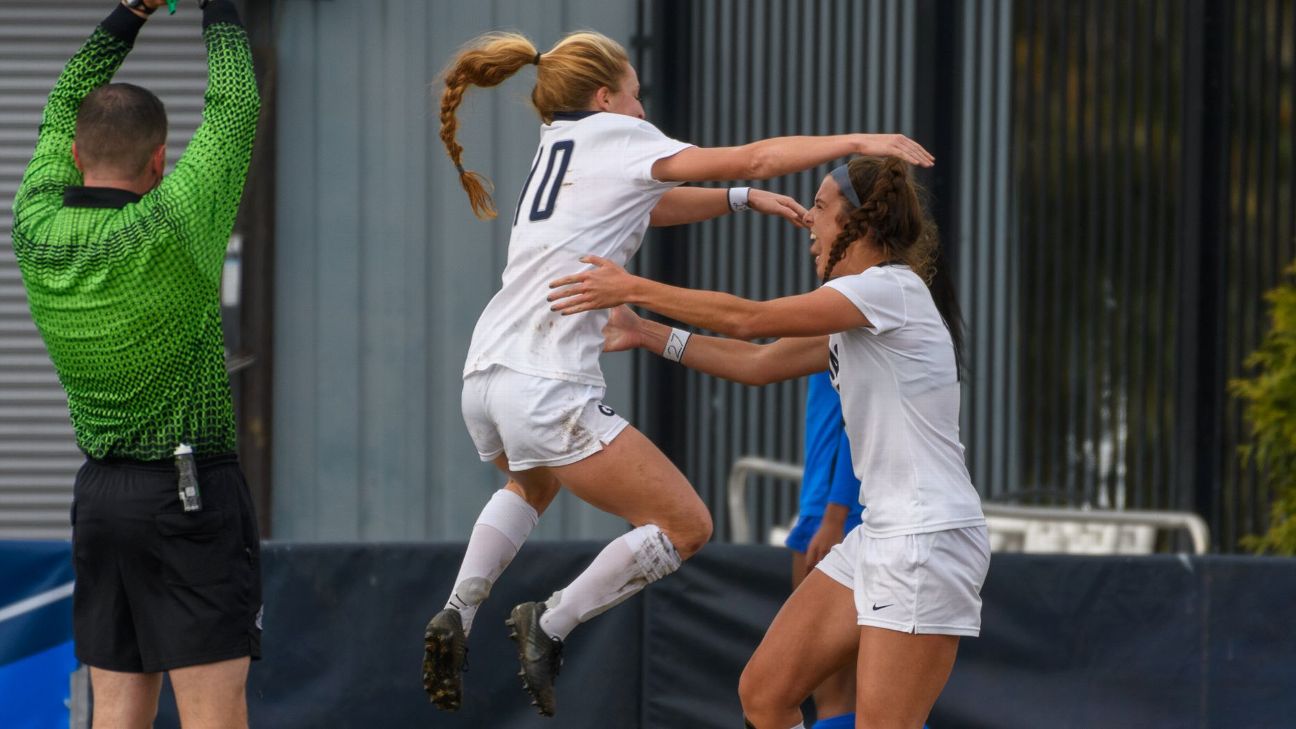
(897, 594)
(122, 267)
(533, 389)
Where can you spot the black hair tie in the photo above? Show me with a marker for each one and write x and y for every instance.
(537, 59)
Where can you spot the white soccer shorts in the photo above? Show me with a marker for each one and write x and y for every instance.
(536, 421)
(915, 583)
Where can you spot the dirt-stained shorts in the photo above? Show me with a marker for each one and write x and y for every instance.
(535, 420)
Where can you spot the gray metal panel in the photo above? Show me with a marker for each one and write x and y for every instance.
(763, 68)
(38, 454)
(987, 241)
(382, 270)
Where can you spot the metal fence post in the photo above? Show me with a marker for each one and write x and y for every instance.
(1202, 225)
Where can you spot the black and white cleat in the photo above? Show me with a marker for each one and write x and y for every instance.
(445, 653)
(539, 655)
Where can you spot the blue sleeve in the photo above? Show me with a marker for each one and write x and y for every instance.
(844, 488)
(822, 419)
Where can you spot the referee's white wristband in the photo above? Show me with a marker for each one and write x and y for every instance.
(738, 198)
(675, 344)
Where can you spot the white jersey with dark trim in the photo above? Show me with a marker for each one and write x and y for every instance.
(900, 399)
(590, 190)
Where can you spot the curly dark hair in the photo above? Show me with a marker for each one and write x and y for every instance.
(892, 210)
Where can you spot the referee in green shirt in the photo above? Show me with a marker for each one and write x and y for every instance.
(122, 268)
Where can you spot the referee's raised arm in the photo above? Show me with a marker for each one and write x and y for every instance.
(207, 184)
(121, 265)
(52, 167)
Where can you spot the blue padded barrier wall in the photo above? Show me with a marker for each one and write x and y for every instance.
(1078, 642)
(1067, 642)
(36, 661)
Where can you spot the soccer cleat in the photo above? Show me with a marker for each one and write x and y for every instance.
(445, 653)
(540, 655)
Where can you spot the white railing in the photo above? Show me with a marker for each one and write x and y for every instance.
(742, 470)
(1002, 514)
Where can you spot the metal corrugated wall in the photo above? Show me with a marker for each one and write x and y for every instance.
(758, 69)
(1259, 236)
(382, 271)
(981, 234)
(1098, 166)
(38, 454)
(1085, 198)
(1154, 165)
(1121, 196)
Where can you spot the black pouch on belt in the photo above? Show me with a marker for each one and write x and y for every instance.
(187, 478)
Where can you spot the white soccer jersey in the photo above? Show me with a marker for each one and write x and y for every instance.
(590, 191)
(900, 400)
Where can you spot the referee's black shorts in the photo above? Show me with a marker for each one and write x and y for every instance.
(158, 588)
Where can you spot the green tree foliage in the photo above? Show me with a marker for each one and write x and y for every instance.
(1270, 408)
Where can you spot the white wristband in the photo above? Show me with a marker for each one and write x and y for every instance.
(738, 198)
(675, 344)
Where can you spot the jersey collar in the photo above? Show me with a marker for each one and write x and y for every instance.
(573, 115)
(77, 196)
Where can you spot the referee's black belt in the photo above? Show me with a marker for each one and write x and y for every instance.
(164, 464)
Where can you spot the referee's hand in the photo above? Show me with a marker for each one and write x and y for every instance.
(151, 5)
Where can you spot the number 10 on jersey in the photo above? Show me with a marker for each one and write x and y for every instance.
(546, 193)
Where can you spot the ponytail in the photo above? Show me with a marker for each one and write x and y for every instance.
(487, 61)
(579, 65)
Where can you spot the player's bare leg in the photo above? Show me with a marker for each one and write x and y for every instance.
(813, 636)
(900, 676)
(836, 695)
(632, 479)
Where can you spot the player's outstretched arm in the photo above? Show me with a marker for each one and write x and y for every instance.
(731, 359)
(606, 285)
(782, 155)
(683, 205)
(52, 168)
(207, 184)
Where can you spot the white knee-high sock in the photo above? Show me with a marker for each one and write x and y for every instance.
(503, 526)
(626, 565)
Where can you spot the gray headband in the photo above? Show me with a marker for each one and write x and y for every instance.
(842, 176)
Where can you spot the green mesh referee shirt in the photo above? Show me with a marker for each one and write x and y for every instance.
(125, 289)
